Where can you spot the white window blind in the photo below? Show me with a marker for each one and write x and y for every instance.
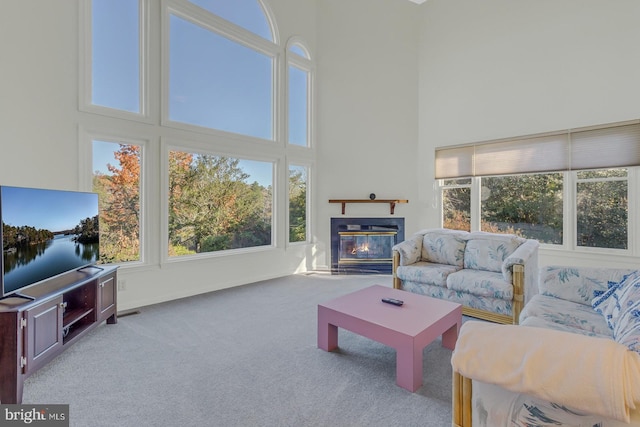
(607, 146)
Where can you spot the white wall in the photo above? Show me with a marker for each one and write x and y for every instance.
(38, 94)
(367, 111)
(502, 68)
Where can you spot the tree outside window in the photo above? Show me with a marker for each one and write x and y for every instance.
(214, 204)
(602, 209)
(297, 203)
(456, 204)
(531, 206)
(116, 179)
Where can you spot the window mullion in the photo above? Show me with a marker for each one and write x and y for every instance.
(476, 202)
(570, 204)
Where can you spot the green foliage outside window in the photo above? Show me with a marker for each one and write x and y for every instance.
(297, 204)
(532, 206)
(213, 208)
(602, 209)
(119, 203)
(527, 205)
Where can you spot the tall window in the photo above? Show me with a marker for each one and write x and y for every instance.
(115, 62)
(116, 179)
(218, 203)
(298, 102)
(297, 203)
(299, 74)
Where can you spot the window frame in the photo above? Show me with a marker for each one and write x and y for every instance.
(158, 134)
(87, 137)
(569, 229)
(631, 201)
(194, 147)
(85, 72)
(304, 64)
(232, 32)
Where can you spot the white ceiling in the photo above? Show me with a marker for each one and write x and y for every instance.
(418, 1)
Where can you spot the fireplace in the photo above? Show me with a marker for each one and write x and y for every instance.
(363, 245)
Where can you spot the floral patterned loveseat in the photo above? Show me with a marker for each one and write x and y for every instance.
(491, 275)
(574, 359)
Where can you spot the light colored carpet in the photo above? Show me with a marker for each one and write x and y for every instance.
(244, 356)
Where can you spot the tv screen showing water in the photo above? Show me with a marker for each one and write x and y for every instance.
(46, 233)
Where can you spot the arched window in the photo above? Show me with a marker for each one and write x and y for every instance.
(297, 49)
(299, 73)
(249, 14)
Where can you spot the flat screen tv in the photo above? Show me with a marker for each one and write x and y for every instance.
(45, 233)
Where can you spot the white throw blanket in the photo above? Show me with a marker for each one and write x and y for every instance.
(595, 375)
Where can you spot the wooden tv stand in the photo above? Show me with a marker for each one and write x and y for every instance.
(48, 318)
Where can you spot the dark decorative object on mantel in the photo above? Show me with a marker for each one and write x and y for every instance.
(372, 196)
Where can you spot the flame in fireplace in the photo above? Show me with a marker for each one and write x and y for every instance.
(363, 248)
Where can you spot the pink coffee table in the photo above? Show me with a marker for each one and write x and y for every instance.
(408, 329)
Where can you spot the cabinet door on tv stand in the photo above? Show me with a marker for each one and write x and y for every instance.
(44, 333)
(107, 297)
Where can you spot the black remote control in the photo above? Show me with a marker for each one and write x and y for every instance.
(393, 301)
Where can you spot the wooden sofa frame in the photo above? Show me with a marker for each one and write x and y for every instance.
(461, 401)
(517, 302)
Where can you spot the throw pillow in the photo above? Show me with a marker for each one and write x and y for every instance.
(488, 254)
(600, 302)
(620, 306)
(625, 314)
(443, 248)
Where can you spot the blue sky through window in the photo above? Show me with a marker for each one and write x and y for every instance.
(217, 83)
(214, 82)
(245, 13)
(298, 106)
(116, 55)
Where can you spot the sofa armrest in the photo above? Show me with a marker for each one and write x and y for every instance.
(525, 255)
(410, 250)
(592, 374)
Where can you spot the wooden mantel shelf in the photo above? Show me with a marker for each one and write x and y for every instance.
(392, 202)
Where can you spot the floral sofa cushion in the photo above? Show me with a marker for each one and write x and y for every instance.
(495, 406)
(427, 272)
(494, 305)
(481, 283)
(564, 315)
(488, 252)
(444, 247)
(577, 284)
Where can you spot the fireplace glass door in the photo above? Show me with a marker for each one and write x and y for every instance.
(365, 246)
